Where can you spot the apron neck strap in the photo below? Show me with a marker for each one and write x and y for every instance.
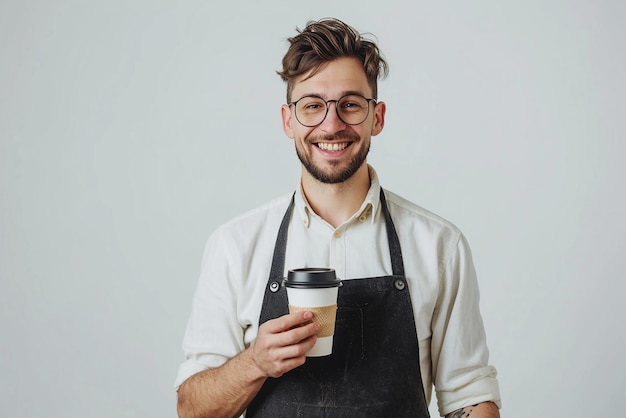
(397, 265)
(278, 260)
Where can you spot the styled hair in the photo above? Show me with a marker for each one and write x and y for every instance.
(325, 40)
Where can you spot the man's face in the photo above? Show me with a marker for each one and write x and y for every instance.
(333, 151)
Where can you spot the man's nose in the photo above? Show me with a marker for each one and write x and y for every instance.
(332, 123)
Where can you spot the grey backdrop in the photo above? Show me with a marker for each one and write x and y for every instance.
(130, 129)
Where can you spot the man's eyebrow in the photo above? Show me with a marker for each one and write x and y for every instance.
(325, 96)
(353, 92)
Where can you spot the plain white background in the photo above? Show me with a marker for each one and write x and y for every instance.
(129, 130)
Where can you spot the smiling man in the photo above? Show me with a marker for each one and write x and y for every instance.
(408, 314)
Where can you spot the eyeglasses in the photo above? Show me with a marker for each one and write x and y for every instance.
(352, 109)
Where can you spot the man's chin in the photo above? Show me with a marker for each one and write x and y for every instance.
(333, 172)
(332, 175)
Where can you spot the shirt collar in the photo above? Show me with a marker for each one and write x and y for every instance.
(368, 211)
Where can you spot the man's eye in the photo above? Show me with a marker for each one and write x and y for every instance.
(313, 107)
(352, 107)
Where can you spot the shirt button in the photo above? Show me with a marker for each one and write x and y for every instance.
(306, 221)
(363, 217)
(337, 234)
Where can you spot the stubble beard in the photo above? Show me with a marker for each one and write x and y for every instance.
(336, 174)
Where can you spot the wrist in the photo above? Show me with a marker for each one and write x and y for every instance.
(252, 369)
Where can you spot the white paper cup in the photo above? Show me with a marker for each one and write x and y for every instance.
(315, 290)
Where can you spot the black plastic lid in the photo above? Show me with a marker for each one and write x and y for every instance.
(312, 278)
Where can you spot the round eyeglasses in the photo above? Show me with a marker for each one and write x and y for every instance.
(352, 109)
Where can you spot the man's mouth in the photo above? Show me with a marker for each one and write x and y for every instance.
(332, 146)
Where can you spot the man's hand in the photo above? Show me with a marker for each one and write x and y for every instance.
(226, 391)
(282, 343)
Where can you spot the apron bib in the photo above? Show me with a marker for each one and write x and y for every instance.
(374, 368)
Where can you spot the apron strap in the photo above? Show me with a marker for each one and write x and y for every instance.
(397, 264)
(278, 260)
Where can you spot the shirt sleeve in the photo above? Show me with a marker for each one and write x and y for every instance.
(213, 333)
(461, 372)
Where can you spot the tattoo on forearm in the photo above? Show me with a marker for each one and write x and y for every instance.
(463, 412)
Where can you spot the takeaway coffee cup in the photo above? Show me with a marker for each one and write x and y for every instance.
(315, 290)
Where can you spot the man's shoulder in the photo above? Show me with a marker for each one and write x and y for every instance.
(248, 235)
(408, 212)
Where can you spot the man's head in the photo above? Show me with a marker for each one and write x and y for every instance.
(325, 40)
(332, 111)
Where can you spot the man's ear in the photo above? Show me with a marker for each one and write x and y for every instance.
(379, 118)
(285, 112)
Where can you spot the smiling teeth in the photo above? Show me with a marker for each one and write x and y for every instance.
(332, 146)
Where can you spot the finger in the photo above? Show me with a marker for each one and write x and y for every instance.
(299, 350)
(296, 335)
(276, 347)
(286, 322)
(275, 358)
(292, 356)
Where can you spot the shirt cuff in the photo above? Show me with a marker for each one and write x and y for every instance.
(485, 389)
(192, 366)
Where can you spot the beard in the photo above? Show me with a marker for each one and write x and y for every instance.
(336, 173)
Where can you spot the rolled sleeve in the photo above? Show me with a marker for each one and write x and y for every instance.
(460, 356)
(195, 365)
(213, 333)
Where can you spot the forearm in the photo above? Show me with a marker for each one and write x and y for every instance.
(225, 391)
(482, 410)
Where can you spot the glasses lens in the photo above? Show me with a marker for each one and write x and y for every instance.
(353, 109)
(311, 110)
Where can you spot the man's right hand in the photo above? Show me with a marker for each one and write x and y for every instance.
(226, 391)
(282, 343)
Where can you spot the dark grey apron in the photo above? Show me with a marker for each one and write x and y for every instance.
(374, 368)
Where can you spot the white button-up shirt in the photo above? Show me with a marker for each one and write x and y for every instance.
(437, 264)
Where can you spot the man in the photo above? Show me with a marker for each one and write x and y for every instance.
(408, 313)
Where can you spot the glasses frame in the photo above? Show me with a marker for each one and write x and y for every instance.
(327, 102)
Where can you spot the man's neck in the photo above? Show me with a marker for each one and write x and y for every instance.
(336, 203)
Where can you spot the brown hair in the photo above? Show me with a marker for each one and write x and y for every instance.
(325, 40)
